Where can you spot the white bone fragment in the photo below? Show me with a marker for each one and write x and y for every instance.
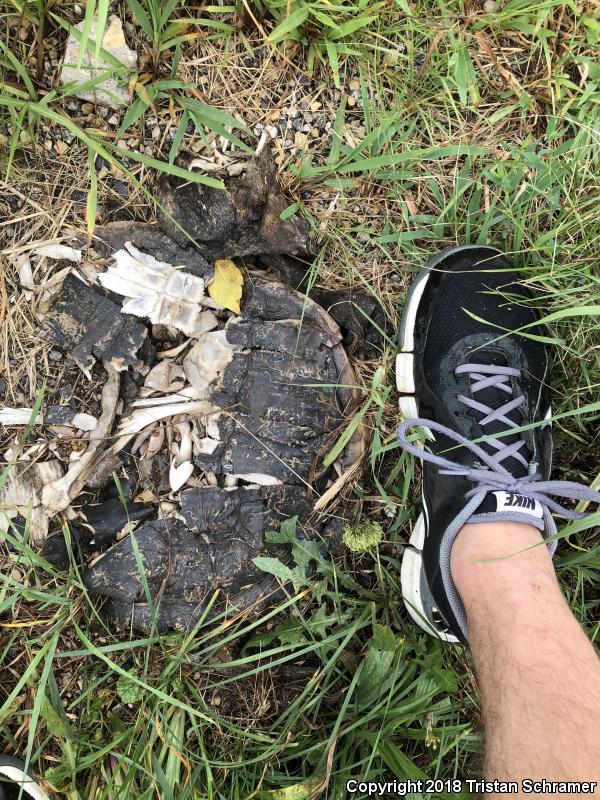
(235, 169)
(159, 291)
(180, 475)
(258, 478)
(166, 376)
(57, 495)
(204, 165)
(142, 417)
(208, 446)
(25, 274)
(184, 449)
(22, 494)
(264, 138)
(142, 437)
(33, 452)
(212, 426)
(61, 252)
(155, 442)
(85, 422)
(61, 430)
(211, 478)
(173, 352)
(166, 508)
(19, 416)
(183, 396)
(208, 358)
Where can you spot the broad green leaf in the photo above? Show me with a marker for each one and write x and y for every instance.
(289, 211)
(375, 671)
(128, 688)
(274, 567)
(383, 637)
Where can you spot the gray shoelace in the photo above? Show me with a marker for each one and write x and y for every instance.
(496, 477)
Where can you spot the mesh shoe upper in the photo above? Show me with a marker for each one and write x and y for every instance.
(474, 380)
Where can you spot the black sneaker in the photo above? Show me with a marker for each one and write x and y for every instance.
(462, 377)
(15, 783)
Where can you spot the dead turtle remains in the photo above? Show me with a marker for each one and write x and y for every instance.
(224, 392)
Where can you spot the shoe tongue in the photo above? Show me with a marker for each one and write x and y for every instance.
(503, 506)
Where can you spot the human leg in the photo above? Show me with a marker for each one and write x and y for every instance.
(538, 674)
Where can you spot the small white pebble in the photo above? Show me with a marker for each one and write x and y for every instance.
(489, 6)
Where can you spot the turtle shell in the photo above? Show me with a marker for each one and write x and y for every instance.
(284, 398)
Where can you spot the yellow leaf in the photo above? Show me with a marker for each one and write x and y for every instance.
(226, 288)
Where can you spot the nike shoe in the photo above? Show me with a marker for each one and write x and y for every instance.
(468, 385)
(15, 783)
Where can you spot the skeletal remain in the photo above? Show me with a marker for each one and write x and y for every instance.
(25, 273)
(58, 251)
(167, 509)
(188, 393)
(34, 452)
(58, 494)
(258, 478)
(183, 451)
(23, 416)
(22, 494)
(19, 416)
(179, 475)
(173, 352)
(156, 290)
(139, 440)
(166, 376)
(85, 422)
(155, 442)
(208, 358)
(142, 417)
(204, 165)
(207, 446)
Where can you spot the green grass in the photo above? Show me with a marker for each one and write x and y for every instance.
(473, 127)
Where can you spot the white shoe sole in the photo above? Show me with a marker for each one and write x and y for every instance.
(10, 770)
(412, 561)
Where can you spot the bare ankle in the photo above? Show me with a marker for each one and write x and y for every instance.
(497, 558)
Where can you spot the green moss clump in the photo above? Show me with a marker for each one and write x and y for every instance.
(362, 536)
